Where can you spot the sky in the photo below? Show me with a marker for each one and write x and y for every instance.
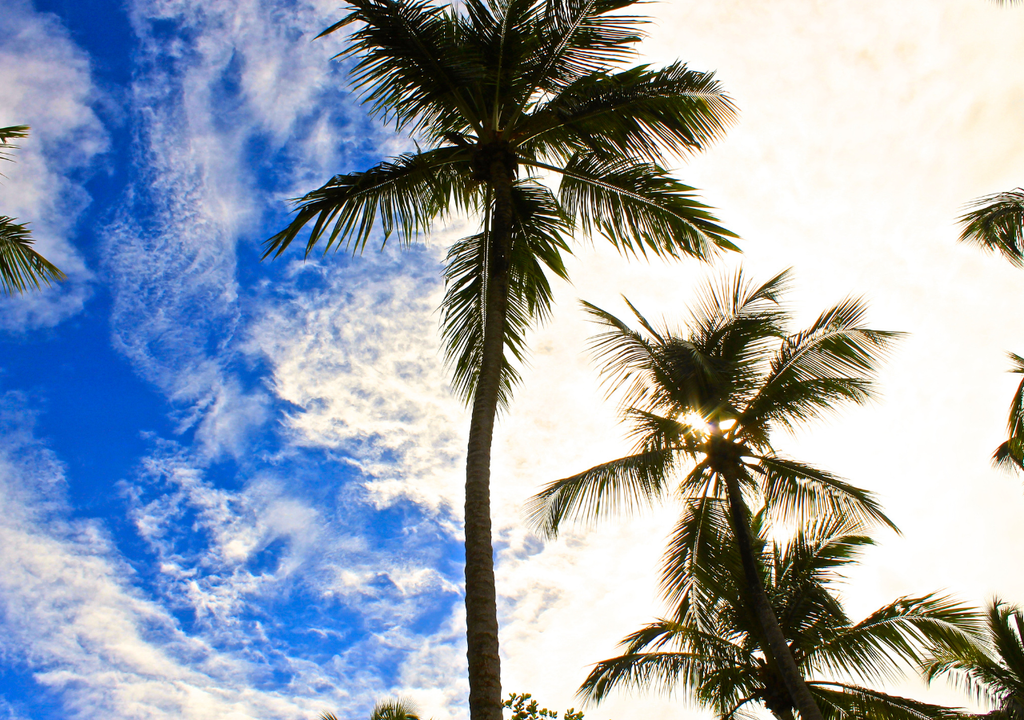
(232, 488)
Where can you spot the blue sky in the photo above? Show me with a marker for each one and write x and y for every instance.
(171, 533)
(232, 489)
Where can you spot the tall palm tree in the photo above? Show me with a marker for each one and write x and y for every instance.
(501, 92)
(21, 267)
(992, 671)
(709, 401)
(713, 646)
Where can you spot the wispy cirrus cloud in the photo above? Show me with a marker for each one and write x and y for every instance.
(72, 617)
(233, 108)
(353, 346)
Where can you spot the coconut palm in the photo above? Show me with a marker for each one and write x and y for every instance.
(500, 92)
(21, 267)
(713, 647)
(708, 399)
(992, 670)
(391, 709)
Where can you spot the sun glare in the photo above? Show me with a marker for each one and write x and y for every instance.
(697, 422)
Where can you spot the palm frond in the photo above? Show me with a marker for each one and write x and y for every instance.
(417, 67)
(637, 113)
(735, 323)
(395, 709)
(506, 35)
(537, 243)
(797, 492)
(973, 672)
(627, 357)
(579, 38)
(727, 306)
(720, 672)
(639, 208)
(836, 359)
(651, 431)
(650, 671)
(897, 633)
(996, 223)
(7, 134)
(700, 563)
(620, 486)
(665, 372)
(21, 267)
(1010, 454)
(839, 701)
(405, 193)
(991, 670)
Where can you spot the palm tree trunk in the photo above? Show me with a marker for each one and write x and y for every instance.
(481, 605)
(778, 648)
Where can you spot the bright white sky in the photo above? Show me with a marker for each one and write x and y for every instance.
(864, 128)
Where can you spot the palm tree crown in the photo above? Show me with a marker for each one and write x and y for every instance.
(714, 647)
(708, 401)
(500, 92)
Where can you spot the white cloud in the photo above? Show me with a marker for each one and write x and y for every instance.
(241, 85)
(47, 85)
(71, 616)
(359, 357)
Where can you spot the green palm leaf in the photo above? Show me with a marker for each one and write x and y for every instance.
(700, 564)
(654, 670)
(579, 38)
(996, 223)
(21, 267)
(638, 207)
(796, 492)
(992, 670)
(1010, 454)
(7, 134)
(406, 194)
(849, 702)
(625, 486)
(637, 113)
(896, 633)
(833, 361)
(417, 67)
(537, 243)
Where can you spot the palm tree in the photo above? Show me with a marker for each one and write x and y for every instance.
(392, 709)
(992, 671)
(500, 92)
(21, 267)
(714, 648)
(710, 401)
